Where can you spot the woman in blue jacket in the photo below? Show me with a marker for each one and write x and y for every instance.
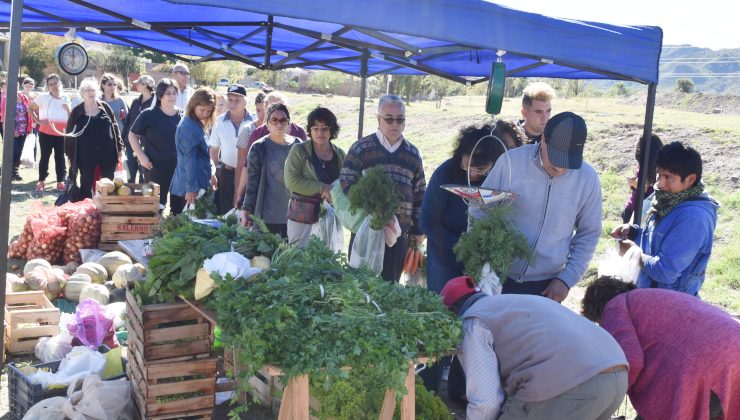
(444, 216)
(193, 170)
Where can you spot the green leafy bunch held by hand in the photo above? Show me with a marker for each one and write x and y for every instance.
(375, 193)
(494, 240)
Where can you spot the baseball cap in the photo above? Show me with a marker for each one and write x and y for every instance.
(182, 68)
(237, 90)
(145, 80)
(565, 134)
(458, 288)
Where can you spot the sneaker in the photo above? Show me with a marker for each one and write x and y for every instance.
(60, 186)
(40, 186)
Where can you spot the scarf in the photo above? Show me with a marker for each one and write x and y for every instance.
(664, 201)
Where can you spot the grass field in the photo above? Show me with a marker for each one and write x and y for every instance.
(613, 129)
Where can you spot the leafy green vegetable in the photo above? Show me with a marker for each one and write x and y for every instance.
(311, 313)
(375, 193)
(494, 240)
(205, 206)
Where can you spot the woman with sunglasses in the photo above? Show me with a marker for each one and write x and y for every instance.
(109, 85)
(91, 125)
(267, 196)
(444, 216)
(312, 167)
(193, 170)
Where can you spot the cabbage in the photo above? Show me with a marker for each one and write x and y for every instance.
(112, 260)
(37, 278)
(96, 292)
(37, 262)
(14, 283)
(127, 275)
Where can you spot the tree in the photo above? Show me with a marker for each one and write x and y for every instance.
(37, 52)
(574, 87)
(208, 72)
(619, 89)
(326, 81)
(684, 85)
(514, 86)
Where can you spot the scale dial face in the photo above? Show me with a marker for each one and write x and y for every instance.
(72, 58)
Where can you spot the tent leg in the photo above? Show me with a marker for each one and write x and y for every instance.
(16, 18)
(268, 43)
(363, 93)
(645, 158)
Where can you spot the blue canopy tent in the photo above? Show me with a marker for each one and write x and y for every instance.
(454, 39)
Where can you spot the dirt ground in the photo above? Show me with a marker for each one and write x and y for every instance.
(706, 103)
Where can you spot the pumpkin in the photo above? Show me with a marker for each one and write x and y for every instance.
(37, 262)
(124, 190)
(98, 274)
(96, 292)
(107, 185)
(112, 260)
(75, 283)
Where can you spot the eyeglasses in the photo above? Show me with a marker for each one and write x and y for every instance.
(281, 121)
(390, 120)
(184, 73)
(477, 170)
(321, 129)
(111, 84)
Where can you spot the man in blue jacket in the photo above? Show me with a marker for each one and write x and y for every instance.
(557, 208)
(677, 240)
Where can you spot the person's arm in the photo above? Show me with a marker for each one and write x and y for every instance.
(254, 174)
(685, 239)
(33, 109)
(190, 140)
(134, 138)
(241, 158)
(482, 381)
(293, 173)
(433, 208)
(419, 186)
(587, 233)
(617, 321)
(351, 169)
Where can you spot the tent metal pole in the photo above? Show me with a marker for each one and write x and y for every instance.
(363, 92)
(645, 158)
(16, 18)
(268, 43)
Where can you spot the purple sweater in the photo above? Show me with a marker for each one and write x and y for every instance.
(678, 348)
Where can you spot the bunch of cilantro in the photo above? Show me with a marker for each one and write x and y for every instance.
(494, 240)
(375, 194)
(311, 313)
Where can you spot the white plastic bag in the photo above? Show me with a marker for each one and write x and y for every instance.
(368, 247)
(329, 229)
(117, 310)
(392, 232)
(490, 283)
(80, 362)
(625, 267)
(230, 263)
(96, 400)
(49, 349)
(27, 158)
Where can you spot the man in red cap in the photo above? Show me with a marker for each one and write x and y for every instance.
(550, 361)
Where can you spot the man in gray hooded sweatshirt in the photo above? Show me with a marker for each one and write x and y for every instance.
(557, 208)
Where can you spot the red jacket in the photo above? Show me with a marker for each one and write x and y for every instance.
(22, 99)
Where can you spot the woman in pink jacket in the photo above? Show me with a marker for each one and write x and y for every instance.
(683, 354)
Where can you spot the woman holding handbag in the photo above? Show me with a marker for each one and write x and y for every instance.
(267, 196)
(92, 139)
(310, 169)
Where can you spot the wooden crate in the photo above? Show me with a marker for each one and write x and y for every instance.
(134, 204)
(116, 228)
(172, 378)
(168, 330)
(28, 317)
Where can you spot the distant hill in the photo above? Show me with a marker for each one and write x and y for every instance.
(708, 69)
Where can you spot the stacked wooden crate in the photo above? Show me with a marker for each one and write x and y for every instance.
(134, 216)
(28, 317)
(170, 366)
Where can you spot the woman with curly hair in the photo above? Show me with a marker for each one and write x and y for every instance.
(683, 354)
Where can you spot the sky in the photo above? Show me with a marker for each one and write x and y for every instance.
(707, 23)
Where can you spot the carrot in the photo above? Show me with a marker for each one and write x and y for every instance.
(416, 261)
(407, 260)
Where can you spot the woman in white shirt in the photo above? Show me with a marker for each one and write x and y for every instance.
(51, 111)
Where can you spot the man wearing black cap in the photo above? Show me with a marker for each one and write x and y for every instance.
(551, 362)
(557, 208)
(222, 144)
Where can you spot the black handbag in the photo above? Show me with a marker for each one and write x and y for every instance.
(72, 192)
(304, 209)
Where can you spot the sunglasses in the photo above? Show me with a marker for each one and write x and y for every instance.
(320, 129)
(390, 120)
(111, 84)
(281, 121)
(183, 73)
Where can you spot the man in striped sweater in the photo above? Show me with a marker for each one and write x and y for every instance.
(388, 148)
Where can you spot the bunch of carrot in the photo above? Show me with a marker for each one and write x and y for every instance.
(414, 258)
